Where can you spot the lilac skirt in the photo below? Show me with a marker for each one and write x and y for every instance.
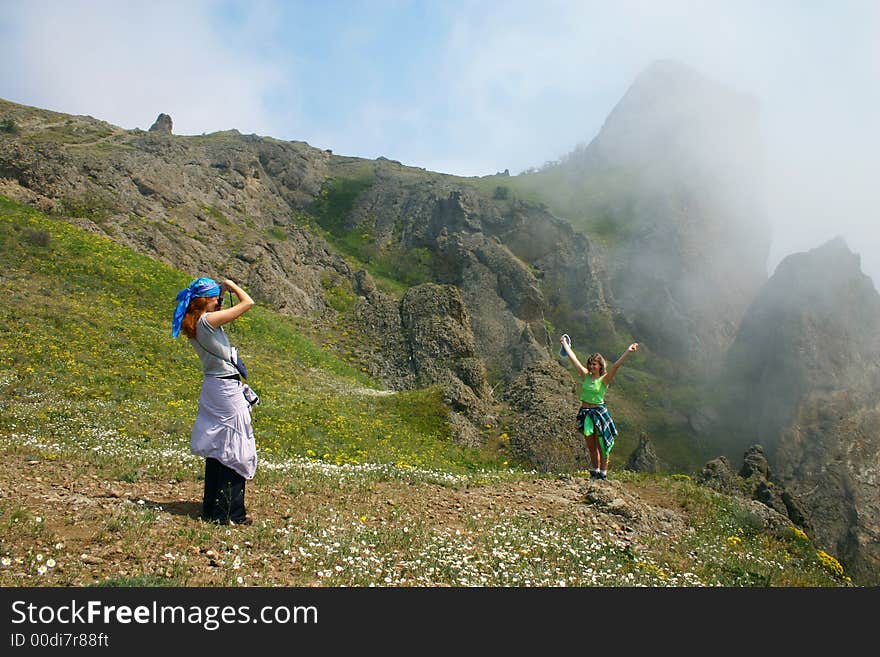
(223, 428)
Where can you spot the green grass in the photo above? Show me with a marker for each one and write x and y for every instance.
(728, 546)
(338, 291)
(599, 206)
(337, 199)
(88, 363)
(394, 268)
(71, 132)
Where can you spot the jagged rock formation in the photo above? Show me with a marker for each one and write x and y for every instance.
(755, 482)
(543, 396)
(805, 373)
(755, 464)
(718, 474)
(505, 258)
(425, 339)
(162, 124)
(644, 457)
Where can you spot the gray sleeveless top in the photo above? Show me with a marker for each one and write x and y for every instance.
(215, 352)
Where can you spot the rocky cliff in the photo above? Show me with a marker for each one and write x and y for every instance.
(802, 377)
(223, 202)
(505, 257)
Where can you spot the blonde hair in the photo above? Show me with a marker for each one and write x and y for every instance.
(599, 358)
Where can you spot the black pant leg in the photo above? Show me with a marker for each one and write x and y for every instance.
(231, 499)
(212, 487)
(228, 495)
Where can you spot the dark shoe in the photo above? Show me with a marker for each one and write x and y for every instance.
(594, 475)
(599, 475)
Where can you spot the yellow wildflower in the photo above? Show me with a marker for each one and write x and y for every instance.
(831, 564)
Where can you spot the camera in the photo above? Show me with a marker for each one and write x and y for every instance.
(252, 398)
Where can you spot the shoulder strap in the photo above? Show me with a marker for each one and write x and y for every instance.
(233, 356)
(208, 350)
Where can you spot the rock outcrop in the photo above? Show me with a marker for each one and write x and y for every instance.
(425, 339)
(162, 125)
(806, 365)
(644, 458)
(546, 436)
(755, 482)
(718, 475)
(513, 262)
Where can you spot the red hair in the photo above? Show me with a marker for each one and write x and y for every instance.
(195, 311)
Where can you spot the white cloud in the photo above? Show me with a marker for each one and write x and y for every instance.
(125, 63)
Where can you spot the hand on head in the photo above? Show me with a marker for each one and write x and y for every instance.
(227, 286)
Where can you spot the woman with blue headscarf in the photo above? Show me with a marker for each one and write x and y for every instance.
(222, 432)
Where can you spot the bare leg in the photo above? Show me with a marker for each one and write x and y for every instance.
(593, 449)
(604, 460)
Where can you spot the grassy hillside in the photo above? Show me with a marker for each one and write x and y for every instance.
(593, 205)
(89, 364)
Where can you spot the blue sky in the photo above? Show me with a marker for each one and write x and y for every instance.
(473, 88)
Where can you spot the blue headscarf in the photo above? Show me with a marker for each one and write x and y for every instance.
(201, 287)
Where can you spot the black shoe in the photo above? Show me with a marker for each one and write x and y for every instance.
(599, 475)
(594, 475)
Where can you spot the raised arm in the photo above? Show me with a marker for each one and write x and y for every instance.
(574, 359)
(221, 317)
(609, 376)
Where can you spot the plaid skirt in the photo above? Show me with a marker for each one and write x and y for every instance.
(603, 426)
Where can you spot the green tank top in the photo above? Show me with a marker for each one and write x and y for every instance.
(593, 392)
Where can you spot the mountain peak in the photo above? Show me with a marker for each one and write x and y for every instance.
(833, 260)
(670, 70)
(675, 122)
(835, 246)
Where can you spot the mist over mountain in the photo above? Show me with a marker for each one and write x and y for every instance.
(672, 187)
